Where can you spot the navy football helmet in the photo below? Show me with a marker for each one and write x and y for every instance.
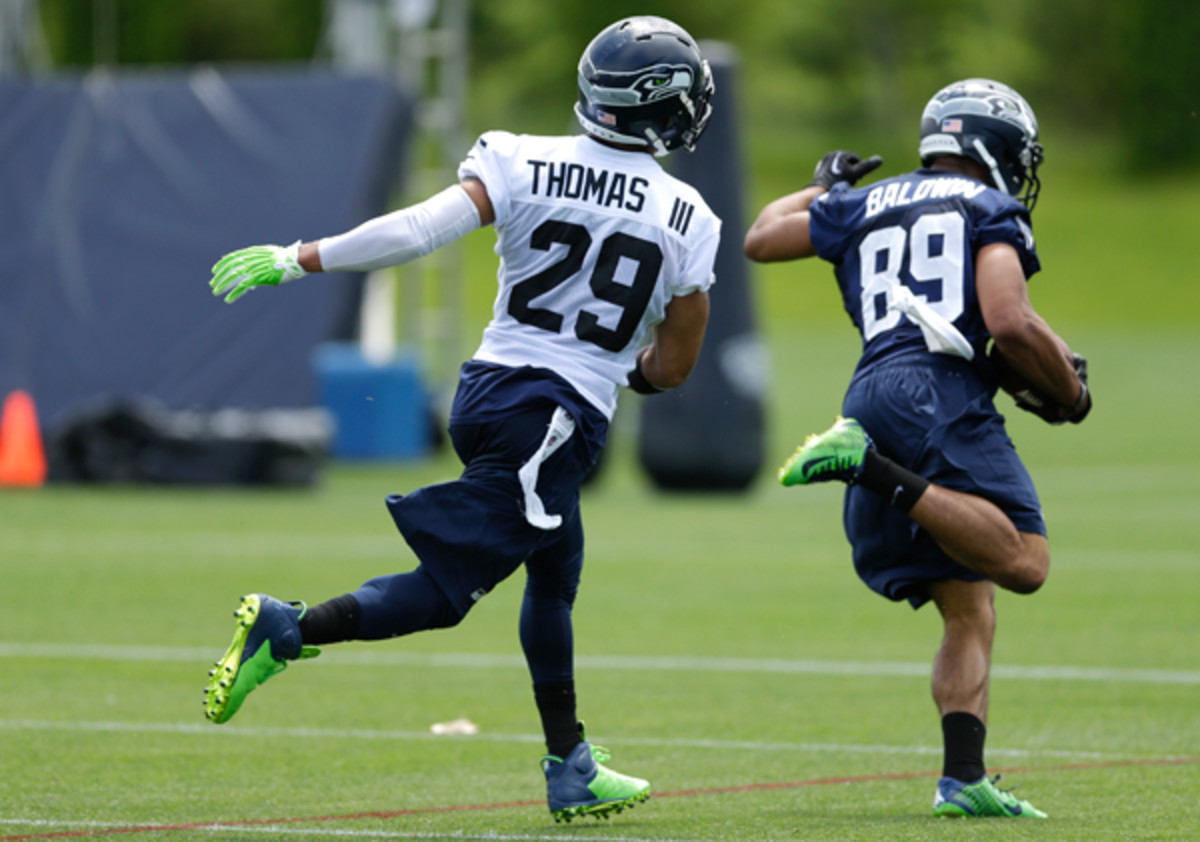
(643, 81)
(990, 123)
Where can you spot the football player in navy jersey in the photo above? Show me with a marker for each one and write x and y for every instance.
(932, 265)
(605, 263)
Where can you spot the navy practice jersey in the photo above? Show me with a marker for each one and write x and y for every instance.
(921, 229)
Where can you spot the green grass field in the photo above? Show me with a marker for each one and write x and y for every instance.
(726, 650)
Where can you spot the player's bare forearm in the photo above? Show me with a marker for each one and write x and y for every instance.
(781, 230)
(310, 258)
(1043, 358)
(1028, 344)
(670, 358)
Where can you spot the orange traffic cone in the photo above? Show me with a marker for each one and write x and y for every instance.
(22, 457)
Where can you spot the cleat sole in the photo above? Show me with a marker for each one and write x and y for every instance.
(216, 705)
(239, 672)
(604, 810)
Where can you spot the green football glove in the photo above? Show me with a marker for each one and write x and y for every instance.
(241, 271)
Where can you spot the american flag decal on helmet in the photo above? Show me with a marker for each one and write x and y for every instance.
(952, 125)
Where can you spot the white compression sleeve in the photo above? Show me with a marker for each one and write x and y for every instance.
(402, 235)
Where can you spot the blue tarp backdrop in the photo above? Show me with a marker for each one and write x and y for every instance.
(119, 192)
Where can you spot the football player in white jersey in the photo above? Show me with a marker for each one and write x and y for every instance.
(605, 263)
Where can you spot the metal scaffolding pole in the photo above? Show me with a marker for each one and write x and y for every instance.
(423, 44)
(23, 50)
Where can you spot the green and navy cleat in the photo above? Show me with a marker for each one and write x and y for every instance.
(266, 638)
(836, 453)
(980, 799)
(580, 785)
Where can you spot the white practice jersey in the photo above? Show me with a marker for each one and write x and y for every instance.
(593, 244)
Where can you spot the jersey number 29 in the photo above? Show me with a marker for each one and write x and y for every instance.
(632, 298)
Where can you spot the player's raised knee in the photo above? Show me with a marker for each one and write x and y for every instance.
(1027, 578)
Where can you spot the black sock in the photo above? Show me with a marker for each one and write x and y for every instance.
(331, 622)
(899, 486)
(556, 704)
(963, 735)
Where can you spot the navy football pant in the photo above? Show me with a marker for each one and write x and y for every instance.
(392, 606)
(471, 533)
(931, 414)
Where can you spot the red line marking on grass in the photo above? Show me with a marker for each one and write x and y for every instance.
(896, 776)
(682, 793)
(374, 814)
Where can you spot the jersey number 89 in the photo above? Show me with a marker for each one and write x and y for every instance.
(935, 269)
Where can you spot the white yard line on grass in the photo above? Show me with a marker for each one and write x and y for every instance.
(385, 834)
(207, 729)
(318, 832)
(291, 825)
(364, 658)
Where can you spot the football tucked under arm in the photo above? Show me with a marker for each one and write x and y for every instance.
(1031, 399)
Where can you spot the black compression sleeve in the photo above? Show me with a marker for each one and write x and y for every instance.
(639, 383)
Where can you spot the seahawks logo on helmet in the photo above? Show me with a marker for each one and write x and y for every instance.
(1003, 106)
(643, 82)
(1007, 109)
(663, 82)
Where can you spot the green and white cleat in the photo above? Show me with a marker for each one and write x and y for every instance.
(836, 453)
(580, 785)
(980, 799)
(266, 638)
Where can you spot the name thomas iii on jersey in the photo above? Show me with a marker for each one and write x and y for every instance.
(558, 180)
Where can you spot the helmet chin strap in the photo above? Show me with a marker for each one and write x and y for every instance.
(997, 179)
(660, 148)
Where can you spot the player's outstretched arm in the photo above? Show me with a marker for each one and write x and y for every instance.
(390, 240)
(781, 230)
(669, 359)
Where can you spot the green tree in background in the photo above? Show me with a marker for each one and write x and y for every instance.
(1162, 95)
(1126, 69)
(856, 70)
(81, 33)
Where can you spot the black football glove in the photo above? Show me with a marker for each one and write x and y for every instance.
(1054, 413)
(1031, 401)
(1084, 406)
(842, 166)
